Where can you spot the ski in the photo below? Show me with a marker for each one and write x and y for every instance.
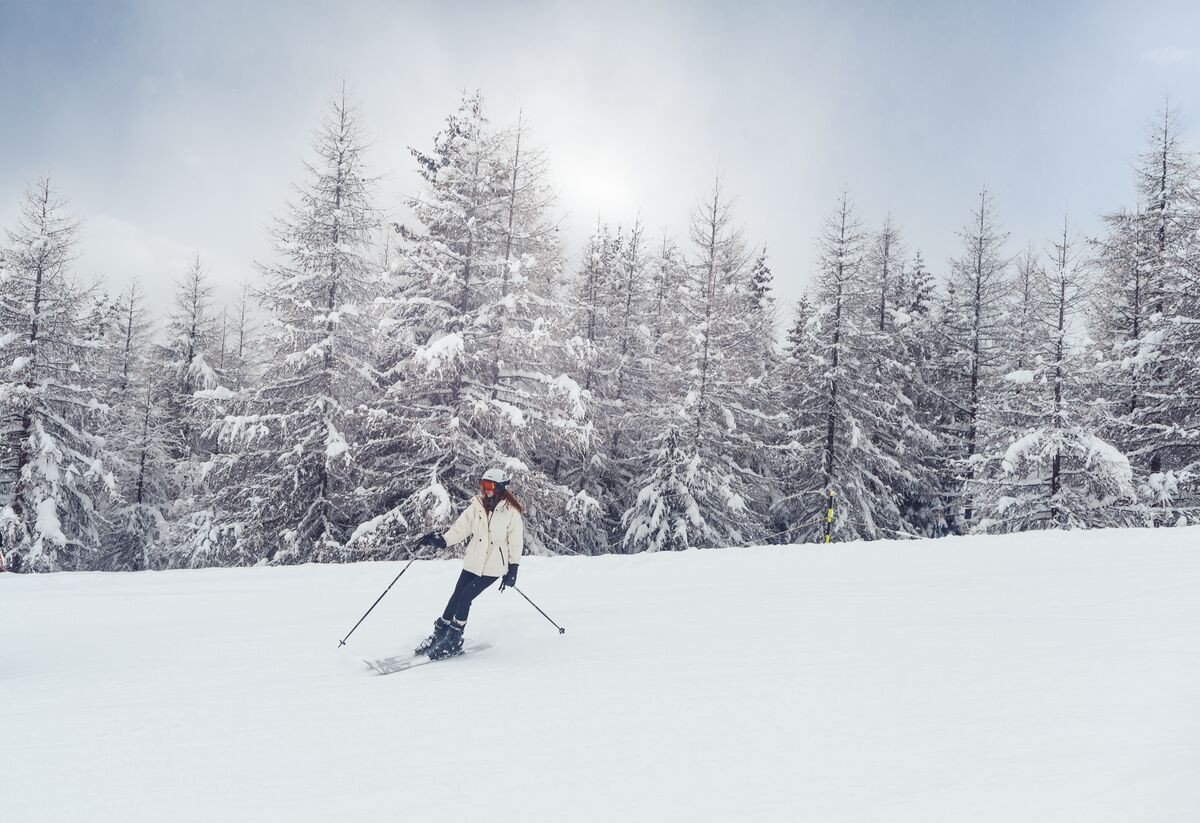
(391, 665)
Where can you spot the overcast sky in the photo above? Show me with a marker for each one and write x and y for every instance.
(176, 128)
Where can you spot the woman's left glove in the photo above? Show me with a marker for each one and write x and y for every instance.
(510, 577)
(433, 539)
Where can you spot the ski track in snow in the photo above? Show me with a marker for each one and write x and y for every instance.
(1040, 677)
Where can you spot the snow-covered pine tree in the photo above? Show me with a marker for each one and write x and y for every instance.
(595, 303)
(698, 486)
(1025, 331)
(1146, 308)
(55, 473)
(768, 422)
(904, 356)
(662, 325)
(470, 369)
(973, 324)
(244, 360)
(869, 430)
(631, 339)
(760, 304)
(1118, 312)
(184, 361)
(597, 324)
(130, 333)
(1013, 404)
(915, 288)
(884, 268)
(176, 419)
(615, 308)
(1042, 465)
(799, 448)
(139, 441)
(1167, 189)
(289, 464)
(920, 345)
(1174, 489)
(534, 352)
(425, 365)
(668, 294)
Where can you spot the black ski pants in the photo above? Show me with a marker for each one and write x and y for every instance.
(469, 587)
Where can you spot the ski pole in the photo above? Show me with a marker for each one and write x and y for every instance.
(376, 603)
(561, 630)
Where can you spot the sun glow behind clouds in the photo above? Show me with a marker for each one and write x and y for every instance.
(599, 179)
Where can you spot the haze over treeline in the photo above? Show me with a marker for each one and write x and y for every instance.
(638, 391)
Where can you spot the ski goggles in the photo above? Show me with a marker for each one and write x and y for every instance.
(487, 485)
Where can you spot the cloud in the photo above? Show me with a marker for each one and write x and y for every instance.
(118, 251)
(1169, 56)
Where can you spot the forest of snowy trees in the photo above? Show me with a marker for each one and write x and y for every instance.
(645, 392)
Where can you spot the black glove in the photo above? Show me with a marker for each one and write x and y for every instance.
(433, 539)
(510, 577)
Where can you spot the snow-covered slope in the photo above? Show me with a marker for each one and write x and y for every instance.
(1041, 677)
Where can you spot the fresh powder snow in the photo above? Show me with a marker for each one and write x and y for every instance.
(1046, 676)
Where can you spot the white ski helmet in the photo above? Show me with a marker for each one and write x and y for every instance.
(497, 476)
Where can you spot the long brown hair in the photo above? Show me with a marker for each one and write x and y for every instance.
(512, 501)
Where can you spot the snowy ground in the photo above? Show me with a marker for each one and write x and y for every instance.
(1047, 677)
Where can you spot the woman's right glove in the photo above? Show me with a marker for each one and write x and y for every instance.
(433, 539)
(510, 577)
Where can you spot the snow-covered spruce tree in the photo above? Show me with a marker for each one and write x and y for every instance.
(1013, 404)
(139, 441)
(1173, 491)
(884, 268)
(594, 302)
(236, 357)
(973, 323)
(946, 383)
(668, 283)
(903, 357)
(799, 447)
(1043, 466)
(760, 305)
(1167, 189)
(287, 467)
(868, 427)
(765, 377)
(55, 472)
(1146, 309)
(596, 317)
(614, 311)
(130, 334)
(176, 417)
(901, 363)
(698, 486)
(1118, 314)
(535, 354)
(627, 379)
(244, 361)
(475, 340)
(184, 361)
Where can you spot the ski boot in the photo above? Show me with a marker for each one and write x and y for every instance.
(440, 627)
(450, 643)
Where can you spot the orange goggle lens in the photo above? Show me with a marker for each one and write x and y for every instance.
(487, 485)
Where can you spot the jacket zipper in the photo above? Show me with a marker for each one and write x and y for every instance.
(488, 552)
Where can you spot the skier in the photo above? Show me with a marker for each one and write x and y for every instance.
(493, 521)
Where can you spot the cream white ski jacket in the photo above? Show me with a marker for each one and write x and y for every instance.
(496, 539)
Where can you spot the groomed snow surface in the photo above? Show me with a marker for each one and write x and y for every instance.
(1040, 677)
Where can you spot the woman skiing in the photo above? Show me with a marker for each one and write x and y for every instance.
(493, 521)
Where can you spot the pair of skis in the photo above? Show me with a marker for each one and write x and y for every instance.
(391, 665)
